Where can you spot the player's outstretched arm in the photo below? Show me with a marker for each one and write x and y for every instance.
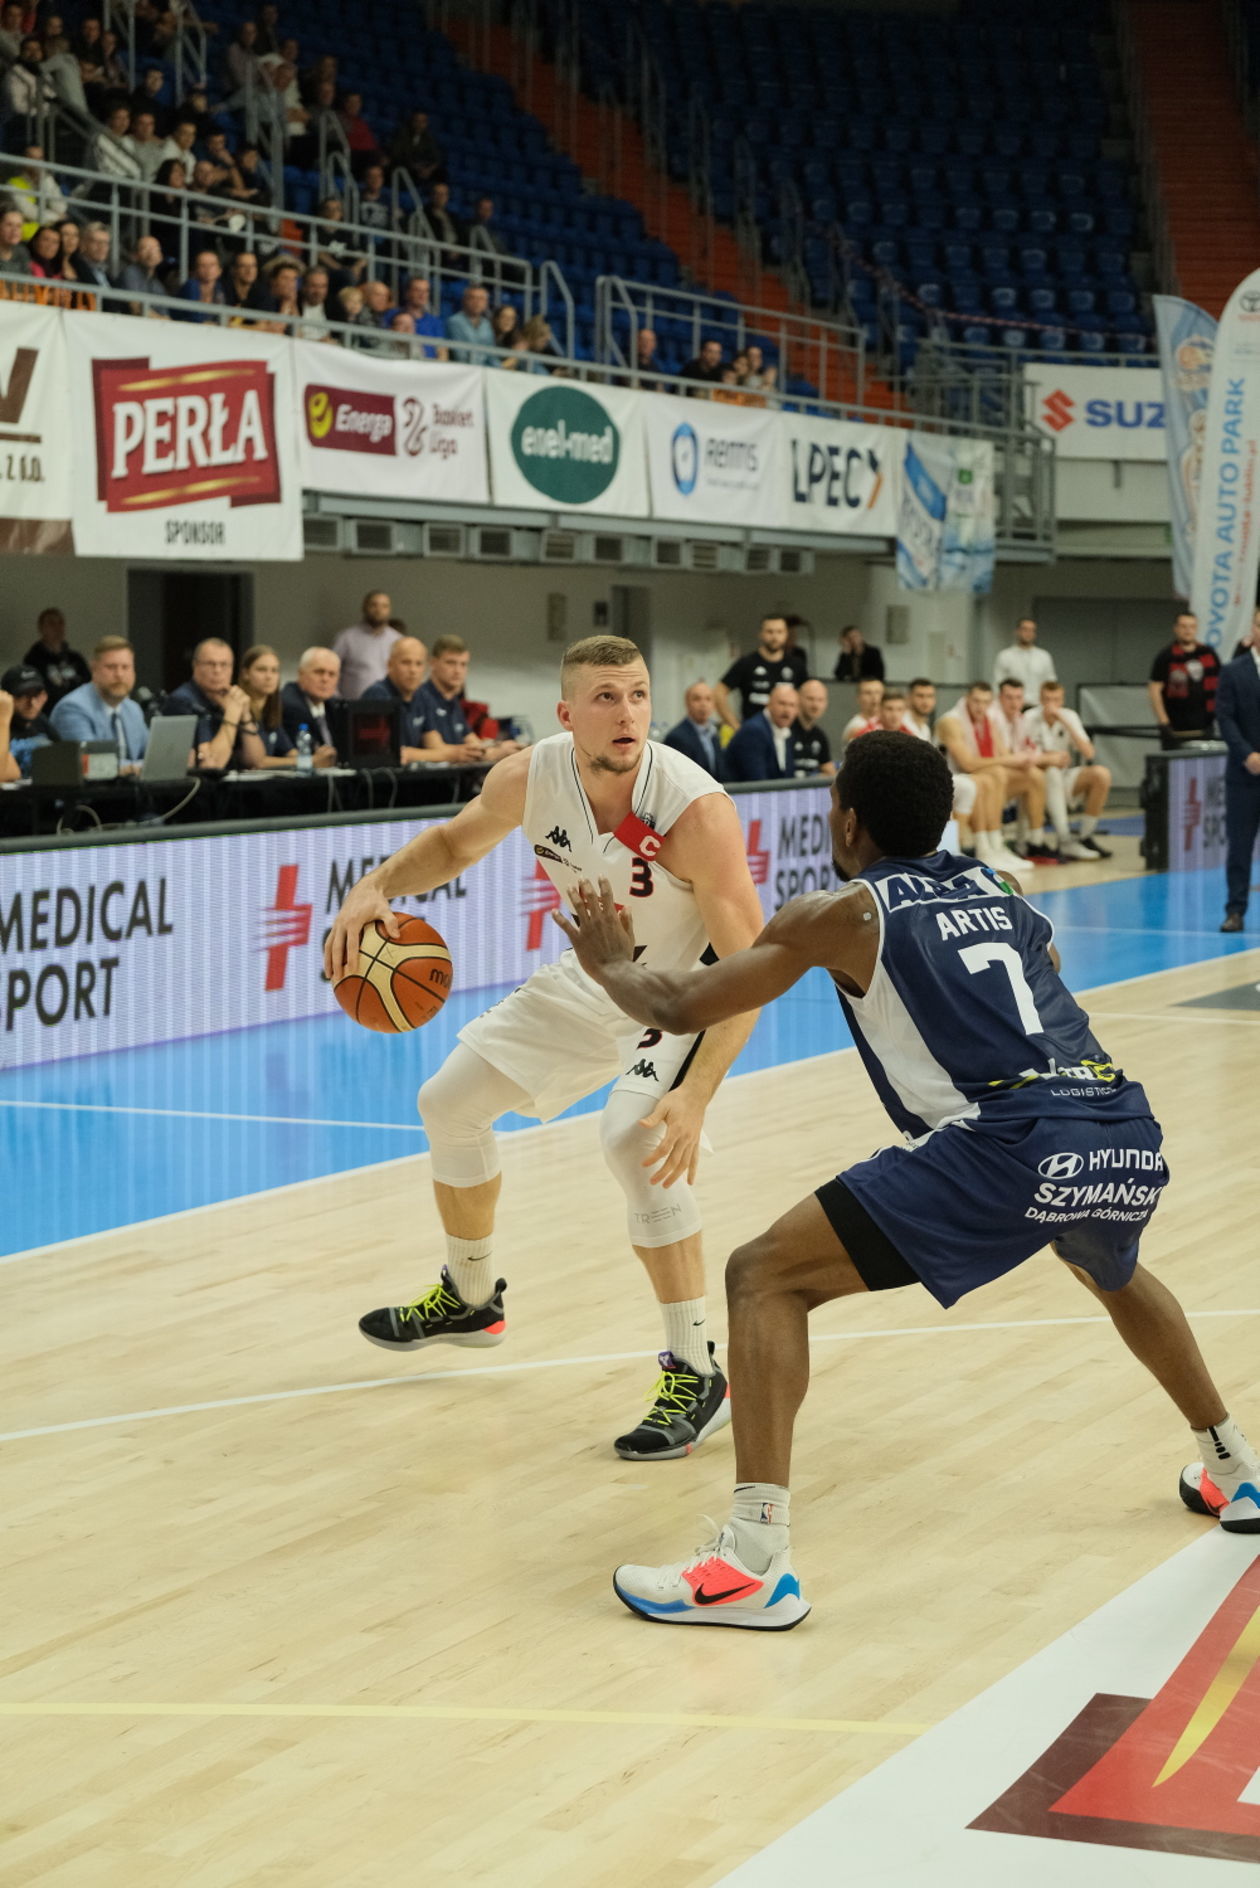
(835, 930)
(435, 856)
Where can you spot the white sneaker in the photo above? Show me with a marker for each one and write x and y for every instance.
(715, 1588)
(1009, 862)
(1074, 849)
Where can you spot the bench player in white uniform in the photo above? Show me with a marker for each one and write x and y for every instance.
(601, 800)
(1060, 735)
(1019, 1133)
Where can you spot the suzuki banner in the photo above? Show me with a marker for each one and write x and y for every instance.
(1098, 412)
(945, 528)
(185, 440)
(1227, 536)
(714, 463)
(841, 477)
(558, 446)
(390, 429)
(36, 441)
(1187, 342)
(116, 946)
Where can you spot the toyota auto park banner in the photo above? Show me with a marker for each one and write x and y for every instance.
(714, 463)
(562, 445)
(841, 476)
(1099, 412)
(394, 429)
(186, 440)
(36, 440)
(119, 946)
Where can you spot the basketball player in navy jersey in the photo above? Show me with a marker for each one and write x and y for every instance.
(597, 798)
(1019, 1133)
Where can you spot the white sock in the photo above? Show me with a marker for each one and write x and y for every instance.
(1087, 823)
(1037, 836)
(687, 1334)
(1227, 1456)
(468, 1262)
(760, 1517)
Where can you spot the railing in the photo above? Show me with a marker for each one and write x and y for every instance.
(130, 208)
(646, 102)
(832, 357)
(700, 188)
(978, 386)
(748, 232)
(1163, 256)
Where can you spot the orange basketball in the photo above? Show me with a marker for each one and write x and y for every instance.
(399, 982)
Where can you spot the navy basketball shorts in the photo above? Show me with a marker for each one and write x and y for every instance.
(973, 1200)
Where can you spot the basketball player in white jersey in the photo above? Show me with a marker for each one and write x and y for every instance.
(598, 800)
(1020, 1132)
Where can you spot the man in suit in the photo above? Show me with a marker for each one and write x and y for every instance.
(762, 748)
(306, 700)
(102, 710)
(1238, 718)
(696, 735)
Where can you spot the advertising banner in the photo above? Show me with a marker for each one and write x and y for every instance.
(1187, 342)
(36, 439)
(114, 947)
(186, 441)
(712, 463)
(1099, 412)
(841, 477)
(390, 429)
(945, 530)
(558, 446)
(1196, 813)
(1227, 538)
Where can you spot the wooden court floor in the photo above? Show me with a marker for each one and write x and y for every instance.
(280, 1610)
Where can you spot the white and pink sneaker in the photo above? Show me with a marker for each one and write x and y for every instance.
(715, 1588)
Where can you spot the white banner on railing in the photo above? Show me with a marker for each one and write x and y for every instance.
(556, 445)
(1227, 535)
(1187, 342)
(945, 530)
(185, 440)
(114, 947)
(390, 429)
(36, 444)
(714, 463)
(841, 476)
(1098, 412)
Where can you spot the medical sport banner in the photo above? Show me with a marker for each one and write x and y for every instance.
(1187, 342)
(390, 428)
(1227, 538)
(185, 440)
(945, 524)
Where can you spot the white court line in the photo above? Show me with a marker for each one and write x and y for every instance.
(206, 1114)
(545, 1363)
(1177, 1016)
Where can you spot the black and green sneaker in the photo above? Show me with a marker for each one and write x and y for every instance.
(439, 1316)
(686, 1408)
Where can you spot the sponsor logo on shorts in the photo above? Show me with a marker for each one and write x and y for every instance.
(1060, 1166)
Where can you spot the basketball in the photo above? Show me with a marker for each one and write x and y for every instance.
(400, 982)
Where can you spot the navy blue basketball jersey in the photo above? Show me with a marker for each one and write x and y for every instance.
(966, 1015)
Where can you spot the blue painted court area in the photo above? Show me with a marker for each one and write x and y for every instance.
(113, 1139)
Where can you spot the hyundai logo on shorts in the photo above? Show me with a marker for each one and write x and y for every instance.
(684, 458)
(1060, 1166)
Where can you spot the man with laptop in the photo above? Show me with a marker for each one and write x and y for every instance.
(102, 709)
(226, 735)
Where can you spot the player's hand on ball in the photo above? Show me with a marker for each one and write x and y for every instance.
(362, 904)
(603, 934)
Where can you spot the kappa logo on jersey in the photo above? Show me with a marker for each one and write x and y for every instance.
(1173, 1774)
(558, 837)
(286, 927)
(647, 1070)
(1060, 1166)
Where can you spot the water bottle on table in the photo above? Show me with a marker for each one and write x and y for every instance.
(305, 751)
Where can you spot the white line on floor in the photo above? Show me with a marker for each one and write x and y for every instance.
(1176, 1016)
(206, 1114)
(545, 1363)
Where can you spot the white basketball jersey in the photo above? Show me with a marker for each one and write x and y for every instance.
(560, 826)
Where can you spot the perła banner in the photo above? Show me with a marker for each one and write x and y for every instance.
(118, 946)
(841, 476)
(1227, 539)
(36, 441)
(391, 429)
(1187, 342)
(712, 462)
(186, 441)
(945, 530)
(1098, 412)
(561, 445)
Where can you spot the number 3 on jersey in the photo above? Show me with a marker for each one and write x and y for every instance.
(642, 884)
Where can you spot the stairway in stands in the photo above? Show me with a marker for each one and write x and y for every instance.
(1207, 163)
